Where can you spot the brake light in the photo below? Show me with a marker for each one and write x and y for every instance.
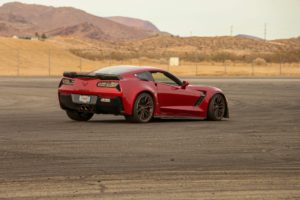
(67, 81)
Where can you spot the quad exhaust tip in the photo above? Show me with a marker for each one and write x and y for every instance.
(86, 108)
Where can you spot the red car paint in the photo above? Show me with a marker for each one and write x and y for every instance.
(170, 100)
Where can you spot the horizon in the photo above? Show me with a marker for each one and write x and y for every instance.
(274, 16)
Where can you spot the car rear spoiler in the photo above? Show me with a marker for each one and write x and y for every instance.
(89, 75)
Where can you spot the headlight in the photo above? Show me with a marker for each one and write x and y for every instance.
(108, 84)
(67, 81)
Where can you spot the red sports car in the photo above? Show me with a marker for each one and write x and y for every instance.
(138, 93)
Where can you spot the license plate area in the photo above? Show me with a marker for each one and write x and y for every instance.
(85, 99)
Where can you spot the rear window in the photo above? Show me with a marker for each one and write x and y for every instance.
(118, 70)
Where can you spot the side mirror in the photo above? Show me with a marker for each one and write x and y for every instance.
(184, 84)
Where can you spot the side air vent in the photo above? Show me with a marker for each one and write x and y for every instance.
(200, 99)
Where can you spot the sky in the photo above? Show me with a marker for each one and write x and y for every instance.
(200, 17)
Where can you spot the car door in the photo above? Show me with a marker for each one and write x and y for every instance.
(172, 98)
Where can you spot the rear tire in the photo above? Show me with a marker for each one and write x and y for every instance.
(143, 109)
(216, 108)
(79, 116)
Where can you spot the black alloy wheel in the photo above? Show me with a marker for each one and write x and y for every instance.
(216, 108)
(143, 109)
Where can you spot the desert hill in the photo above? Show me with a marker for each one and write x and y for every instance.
(58, 54)
(136, 23)
(27, 19)
(196, 49)
(120, 38)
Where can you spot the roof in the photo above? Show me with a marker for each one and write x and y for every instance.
(123, 69)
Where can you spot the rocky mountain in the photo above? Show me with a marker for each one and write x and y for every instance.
(83, 30)
(27, 19)
(136, 23)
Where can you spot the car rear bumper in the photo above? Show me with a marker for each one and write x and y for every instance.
(115, 106)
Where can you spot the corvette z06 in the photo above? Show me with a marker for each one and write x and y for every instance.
(139, 94)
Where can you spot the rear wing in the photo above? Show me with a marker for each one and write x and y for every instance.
(89, 75)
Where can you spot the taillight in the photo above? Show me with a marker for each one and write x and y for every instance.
(108, 84)
(67, 81)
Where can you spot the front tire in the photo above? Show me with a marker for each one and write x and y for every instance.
(79, 116)
(216, 108)
(143, 109)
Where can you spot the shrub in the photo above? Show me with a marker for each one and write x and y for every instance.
(228, 62)
(259, 61)
(44, 36)
(163, 61)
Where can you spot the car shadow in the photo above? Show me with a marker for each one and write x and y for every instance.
(164, 120)
(154, 121)
(109, 121)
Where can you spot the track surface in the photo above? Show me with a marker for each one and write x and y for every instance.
(254, 155)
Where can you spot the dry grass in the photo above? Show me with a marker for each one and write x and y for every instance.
(36, 58)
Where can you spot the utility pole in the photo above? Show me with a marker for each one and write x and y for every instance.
(49, 63)
(18, 62)
(265, 32)
(196, 55)
(280, 67)
(80, 64)
(231, 30)
(139, 56)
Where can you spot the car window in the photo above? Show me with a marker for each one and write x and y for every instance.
(145, 76)
(160, 77)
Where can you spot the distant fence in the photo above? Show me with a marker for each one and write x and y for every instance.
(53, 62)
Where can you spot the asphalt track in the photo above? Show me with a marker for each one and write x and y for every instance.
(253, 155)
